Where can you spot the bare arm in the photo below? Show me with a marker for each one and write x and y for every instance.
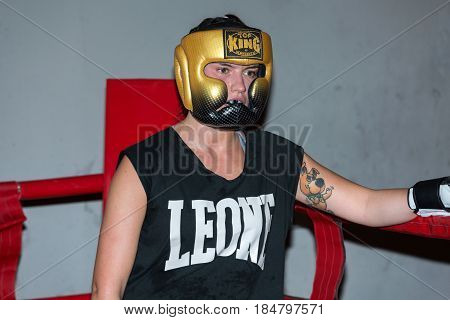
(323, 189)
(119, 234)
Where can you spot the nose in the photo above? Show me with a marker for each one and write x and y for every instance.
(237, 84)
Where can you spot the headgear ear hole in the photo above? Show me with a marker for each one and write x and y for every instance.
(261, 71)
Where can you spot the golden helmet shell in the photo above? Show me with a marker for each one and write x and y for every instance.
(234, 45)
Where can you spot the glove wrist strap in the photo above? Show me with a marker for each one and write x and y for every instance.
(426, 195)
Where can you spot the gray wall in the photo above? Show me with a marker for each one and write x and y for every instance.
(384, 123)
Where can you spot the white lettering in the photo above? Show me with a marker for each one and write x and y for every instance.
(252, 228)
(244, 231)
(175, 261)
(267, 200)
(202, 230)
(222, 205)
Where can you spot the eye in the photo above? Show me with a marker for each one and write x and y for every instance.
(223, 70)
(251, 73)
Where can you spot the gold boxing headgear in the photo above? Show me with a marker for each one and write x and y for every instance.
(203, 95)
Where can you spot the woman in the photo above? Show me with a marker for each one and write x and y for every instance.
(202, 209)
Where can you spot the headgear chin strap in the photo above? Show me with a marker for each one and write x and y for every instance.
(203, 95)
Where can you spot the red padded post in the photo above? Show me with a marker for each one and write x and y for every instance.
(330, 253)
(11, 220)
(136, 109)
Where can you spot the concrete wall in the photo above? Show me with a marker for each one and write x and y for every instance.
(383, 123)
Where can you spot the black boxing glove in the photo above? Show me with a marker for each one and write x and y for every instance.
(430, 197)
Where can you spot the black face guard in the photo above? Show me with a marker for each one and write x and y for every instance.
(233, 116)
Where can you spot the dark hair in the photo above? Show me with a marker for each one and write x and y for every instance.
(228, 21)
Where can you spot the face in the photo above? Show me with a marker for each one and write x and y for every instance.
(237, 78)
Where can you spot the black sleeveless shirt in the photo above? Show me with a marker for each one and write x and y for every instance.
(206, 237)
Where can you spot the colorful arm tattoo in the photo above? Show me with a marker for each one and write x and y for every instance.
(314, 188)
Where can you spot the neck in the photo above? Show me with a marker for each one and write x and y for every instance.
(204, 136)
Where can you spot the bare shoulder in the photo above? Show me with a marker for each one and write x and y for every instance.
(126, 180)
(124, 214)
(126, 193)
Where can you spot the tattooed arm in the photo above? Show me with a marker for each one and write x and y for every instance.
(323, 189)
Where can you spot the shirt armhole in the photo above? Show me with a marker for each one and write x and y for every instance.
(138, 167)
(299, 152)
